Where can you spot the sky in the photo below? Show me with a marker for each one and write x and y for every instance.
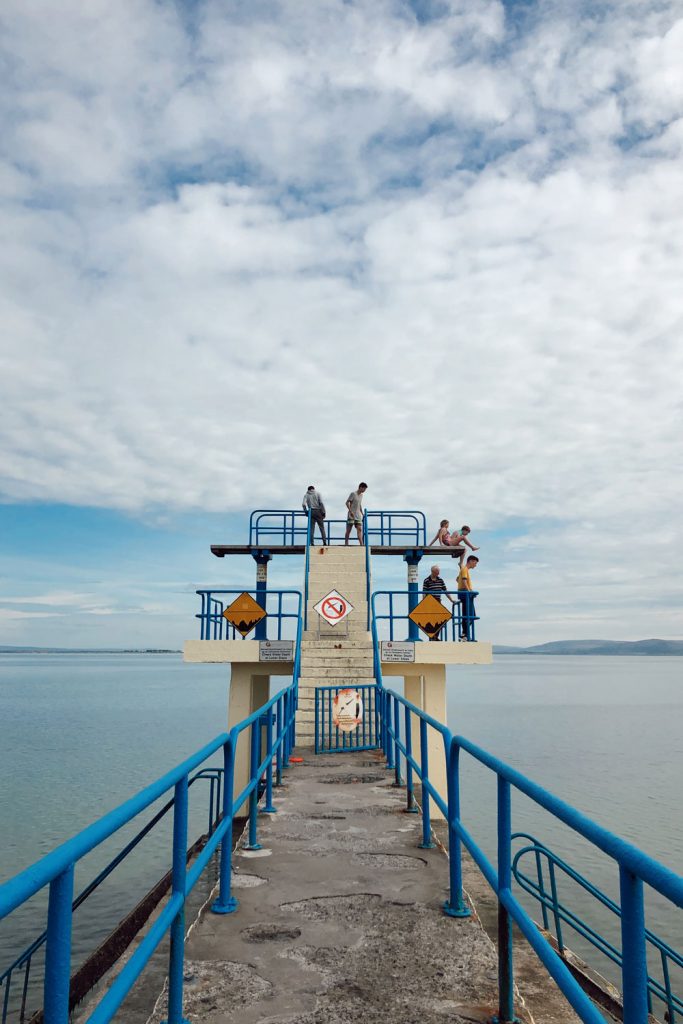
(434, 245)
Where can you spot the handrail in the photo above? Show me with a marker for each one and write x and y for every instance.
(383, 527)
(213, 626)
(390, 532)
(277, 719)
(214, 776)
(307, 567)
(562, 914)
(462, 615)
(635, 867)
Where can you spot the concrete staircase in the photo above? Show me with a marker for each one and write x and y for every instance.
(334, 655)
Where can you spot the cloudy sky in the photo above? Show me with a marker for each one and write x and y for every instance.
(437, 245)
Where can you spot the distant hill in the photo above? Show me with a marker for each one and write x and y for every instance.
(5, 649)
(628, 647)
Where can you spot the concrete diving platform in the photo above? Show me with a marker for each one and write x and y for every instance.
(340, 918)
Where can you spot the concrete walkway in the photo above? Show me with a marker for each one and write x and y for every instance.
(340, 916)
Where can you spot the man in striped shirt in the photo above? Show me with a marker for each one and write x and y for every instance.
(434, 585)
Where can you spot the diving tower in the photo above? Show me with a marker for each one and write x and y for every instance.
(377, 636)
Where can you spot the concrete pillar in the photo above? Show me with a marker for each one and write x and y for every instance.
(248, 692)
(412, 688)
(428, 692)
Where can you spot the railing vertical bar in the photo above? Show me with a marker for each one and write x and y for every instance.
(410, 798)
(506, 1011)
(634, 957)
(426, 843)
(253, 777)
(58, 950)
(176, 957)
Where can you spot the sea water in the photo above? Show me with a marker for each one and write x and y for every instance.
(81, 733)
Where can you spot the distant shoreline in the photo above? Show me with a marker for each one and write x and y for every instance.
(577, 648)
(88, 650)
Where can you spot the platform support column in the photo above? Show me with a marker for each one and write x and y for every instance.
(248, 693)
(428, 692)
(261, 558)
(412, 558)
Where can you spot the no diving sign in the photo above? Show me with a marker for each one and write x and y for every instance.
(333, 608)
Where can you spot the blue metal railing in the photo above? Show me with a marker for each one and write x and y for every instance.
(277, 720)
(24, 961)
(277, 526)
(329, 739)
(390, 528)
(635, 868)
(397, 605)
(288, 527)
(552, 906)
(307, 566)
(280, 607)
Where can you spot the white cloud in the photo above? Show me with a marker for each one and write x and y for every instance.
(244, 251)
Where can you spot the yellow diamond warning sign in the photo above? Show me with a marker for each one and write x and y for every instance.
(430, 615)
(244, 613)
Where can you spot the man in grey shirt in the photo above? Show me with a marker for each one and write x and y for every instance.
(354, 504)
(314, 501)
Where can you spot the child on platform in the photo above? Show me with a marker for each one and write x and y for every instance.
(456, 541)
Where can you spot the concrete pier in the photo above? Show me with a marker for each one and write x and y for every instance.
(340, 918)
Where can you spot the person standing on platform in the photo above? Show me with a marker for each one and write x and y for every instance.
(354, 517)
(466, 597)
(313, 500)
(435, 586)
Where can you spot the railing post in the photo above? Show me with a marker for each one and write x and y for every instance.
(397, 749)
(411, 807)
(226, 902)
(506, 983)
(58, 950)
(307, 566)
(176, 960)
(280, 740)
(387, 719)
(455, 906)
(633, 952)
(253, 777)
(426, 843)
(269, 808)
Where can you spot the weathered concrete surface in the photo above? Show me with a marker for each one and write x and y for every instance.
(346, 925)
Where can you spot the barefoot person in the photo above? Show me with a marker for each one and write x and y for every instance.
(456, 541)
(354, 516)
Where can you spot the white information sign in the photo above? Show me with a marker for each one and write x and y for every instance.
(397, 650)
(276, 650)
(261, 573)
(333, 608)
(413, 574)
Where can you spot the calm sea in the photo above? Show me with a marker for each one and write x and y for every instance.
(81, 733)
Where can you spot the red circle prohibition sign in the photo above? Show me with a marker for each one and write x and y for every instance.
(333, 608)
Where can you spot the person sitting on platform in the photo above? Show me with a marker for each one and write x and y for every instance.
(314, 501)
(466, 598)
(354, 517)
(455, 541)
(435, 586)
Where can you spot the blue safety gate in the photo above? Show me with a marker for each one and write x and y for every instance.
(329, 738)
